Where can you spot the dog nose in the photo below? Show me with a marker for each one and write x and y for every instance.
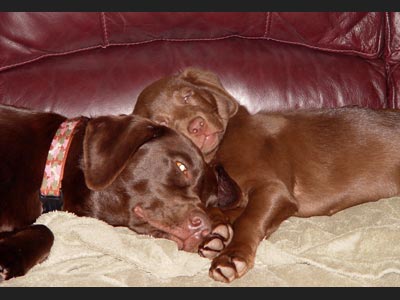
(196, 126)
(199, 222)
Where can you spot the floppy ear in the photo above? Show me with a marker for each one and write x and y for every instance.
(229, 193)
(227, 105)
(108, 144)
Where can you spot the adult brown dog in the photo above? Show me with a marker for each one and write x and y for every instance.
(125, 170)
(301, 163)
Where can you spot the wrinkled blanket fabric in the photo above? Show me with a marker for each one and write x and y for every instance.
(359, 246)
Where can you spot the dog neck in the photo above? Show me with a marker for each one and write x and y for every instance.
(50, 191)
(241, 114)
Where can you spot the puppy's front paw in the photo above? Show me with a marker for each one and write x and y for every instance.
(218, 239)
(3, 273)
(11, 264)
(229, 266)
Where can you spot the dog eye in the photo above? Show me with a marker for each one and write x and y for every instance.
(182, 168)
(186, 94)
(161, 120)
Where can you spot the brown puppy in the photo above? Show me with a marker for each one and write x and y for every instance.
(301, 163)
(125, 170)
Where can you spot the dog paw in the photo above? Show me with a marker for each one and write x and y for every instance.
(3, 273)
(217, 240)
(228, 267)
(11, 263)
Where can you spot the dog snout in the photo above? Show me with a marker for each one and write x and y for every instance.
(199, 223)
(197, 126)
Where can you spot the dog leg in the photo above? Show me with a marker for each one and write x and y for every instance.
(266, 209)
(21, 249)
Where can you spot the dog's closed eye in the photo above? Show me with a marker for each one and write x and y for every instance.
(164, 121)
(186, 93)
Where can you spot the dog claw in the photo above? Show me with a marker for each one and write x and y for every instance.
(225, 232)
(217, 275)
(225, 274)
(241, 266)
(3, 273)
(222, 230)
(219, 238)
(226, 268)
(211, 248)
(215, 244)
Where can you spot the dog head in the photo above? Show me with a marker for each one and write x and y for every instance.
(193, 102)
(151, 179)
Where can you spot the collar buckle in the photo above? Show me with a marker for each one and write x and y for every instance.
(50, 203)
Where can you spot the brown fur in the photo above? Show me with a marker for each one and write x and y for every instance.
(302, 163)
(120, 169)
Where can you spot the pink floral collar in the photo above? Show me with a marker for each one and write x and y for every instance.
(50, 190)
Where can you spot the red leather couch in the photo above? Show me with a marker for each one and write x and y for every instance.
(97, 63)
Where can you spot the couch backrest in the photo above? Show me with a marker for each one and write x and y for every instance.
(95, 63)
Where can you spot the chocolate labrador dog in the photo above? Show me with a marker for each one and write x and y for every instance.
(125, 170)
(301, 163)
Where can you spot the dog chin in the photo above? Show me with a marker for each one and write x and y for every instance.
(210, 143)
(185, 239)
(190, 243)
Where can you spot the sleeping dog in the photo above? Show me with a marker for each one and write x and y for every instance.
(297, 163)
(124, 170)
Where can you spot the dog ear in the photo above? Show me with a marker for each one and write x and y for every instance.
(229, 193)
(227, 105)
(108, 144)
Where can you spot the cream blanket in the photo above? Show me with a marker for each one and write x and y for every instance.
(356, 247)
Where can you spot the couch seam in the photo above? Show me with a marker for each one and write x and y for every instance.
(350, 52)
(267, 24)
(104, 28)
(362, 54)
(49, 55)
(386, 58)
(388, 35)
(391, 85)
